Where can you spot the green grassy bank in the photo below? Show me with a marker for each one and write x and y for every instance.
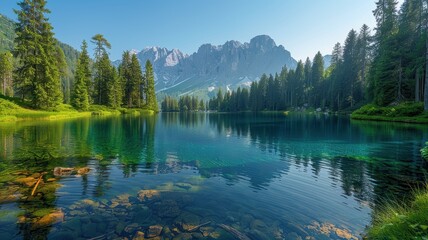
(397, 221)
(405, 112)
(11, 110)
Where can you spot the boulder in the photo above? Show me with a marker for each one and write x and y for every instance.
(154, 231)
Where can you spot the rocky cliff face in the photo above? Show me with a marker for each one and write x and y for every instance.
(231, 64)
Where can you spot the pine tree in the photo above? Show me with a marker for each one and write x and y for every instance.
(6, 74)
(317, 77)
(62, 68)
(80, 96)
(151, 101)
(136, 86)
(101, 68)
(38, 77)
(114, 89)
(386, 66)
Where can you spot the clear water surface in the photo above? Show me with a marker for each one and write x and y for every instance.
(203, 176)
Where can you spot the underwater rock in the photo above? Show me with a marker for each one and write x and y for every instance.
(83, 171)
(187, 221)
(49, 219)
(167, 232)
(258, 224)
(91, 203)
(185, 186)
(167, 208)
(131, 228)
(138, 236)
(328, 229)
(154, 231)
(144, 195)
(61, 171)
(206, 231)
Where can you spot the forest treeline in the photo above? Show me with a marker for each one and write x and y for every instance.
(36, 66)
(386, 68)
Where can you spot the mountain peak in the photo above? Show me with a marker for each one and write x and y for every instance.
(262, 42)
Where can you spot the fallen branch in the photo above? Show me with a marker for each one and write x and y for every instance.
(234, 232)
(37, 184)
(197, 227)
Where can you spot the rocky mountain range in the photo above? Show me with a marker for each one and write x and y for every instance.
(228, 66)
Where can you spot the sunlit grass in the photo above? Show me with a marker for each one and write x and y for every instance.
(401, 221)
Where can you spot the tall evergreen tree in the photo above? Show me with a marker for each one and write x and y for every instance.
(317, 77)
(136, 84)
(150, 89)
(6, 74)
(38, 77)
(80, 95)
(102, 68)
(114, 89)
(386, 66)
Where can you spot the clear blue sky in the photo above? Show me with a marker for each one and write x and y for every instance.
(302, 26)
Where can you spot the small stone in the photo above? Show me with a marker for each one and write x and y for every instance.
(154, 231)
(83, 171)
(138, 236)
(258, 225)
(185, 186)
(90, 203)
(144, 195)
(49, 219)
(167, 208)
(197, 235)
(131, 228)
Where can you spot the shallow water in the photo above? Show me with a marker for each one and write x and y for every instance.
(204, 176)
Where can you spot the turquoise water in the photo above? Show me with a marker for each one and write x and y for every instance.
(204, 176)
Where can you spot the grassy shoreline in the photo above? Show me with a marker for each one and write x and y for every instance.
(11, 112)
(404, 113)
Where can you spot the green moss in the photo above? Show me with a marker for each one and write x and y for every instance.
(406, 112)
(398, 221)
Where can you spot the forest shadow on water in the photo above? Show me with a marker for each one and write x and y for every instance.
(203, 176)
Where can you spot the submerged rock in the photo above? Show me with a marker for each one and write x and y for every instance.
(139, 236)
(144, 195)
(49, 219)
(167, 208)
(154, 231)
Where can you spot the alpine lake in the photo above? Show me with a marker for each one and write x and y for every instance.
(203, 176)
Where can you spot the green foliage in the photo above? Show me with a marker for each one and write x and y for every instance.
(405, 112)
(38, 75)
(424, 151)
(6, 71)
(407, 109)
(398, 221)
(184, 104)
(132, 78)
(82, 83)
(150, 93)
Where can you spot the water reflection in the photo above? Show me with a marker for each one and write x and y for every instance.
(292, 165)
